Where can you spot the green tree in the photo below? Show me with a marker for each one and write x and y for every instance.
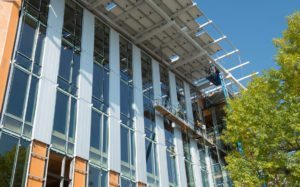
(265, 120)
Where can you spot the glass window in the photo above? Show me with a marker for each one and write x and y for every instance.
(59, 170)
(13, 151)
(127, 183)
(151, 163)
(181, 98)
(149, 119)
(16, 101)
(27, 36)
(32, 35)
(71, 47)
(21, 167)
(37, 8)
(188, 160)
(127, 152)
(20, 107)
(126, 99)
(72, 125)
(61, 110)
(164, 86)
(64, 122)
(101, 44)
(169, 138)
(8, 148)
(189, 173)
(126, 60)
(171, 163)
(147, 76)
(98, 138)
(31, 99)
(68, 68)
(97, 177)
(100, 96)
(65, 110)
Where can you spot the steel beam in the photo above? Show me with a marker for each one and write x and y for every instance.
(153, 30)
(96, 4)
(128, 11)
(238, 66)
(183, 10)
(226, 55)
(187, 59)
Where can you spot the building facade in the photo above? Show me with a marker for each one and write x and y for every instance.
(84, 103)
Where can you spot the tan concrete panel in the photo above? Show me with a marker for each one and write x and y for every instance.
(80, 172)
(37, 164)
(9, 17)
(140, 184)
(113, 179)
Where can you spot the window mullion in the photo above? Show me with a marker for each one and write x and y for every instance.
(67, 125)
(15, 163)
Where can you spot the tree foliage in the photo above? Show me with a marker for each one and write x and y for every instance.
(265, 120)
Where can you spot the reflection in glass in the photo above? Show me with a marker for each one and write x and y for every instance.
(60, 116)
(127, 183)
(11, 152)
(188, 160)
(16, 101)
(97, 177)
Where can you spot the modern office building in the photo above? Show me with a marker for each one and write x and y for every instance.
(110, 93)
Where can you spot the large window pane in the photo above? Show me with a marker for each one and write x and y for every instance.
(66, 55)
(124, 144)
(27, 37)
(126, 60)
(147, 76)
(189, 174)
(70, 49)
(61, 113)
(31, 99)
(72, 126)
(127, 183)
(8, 147)
(97, 177)
(149, 157)
(22, 161)
(95, 130)
(171, 168)
(17, 93)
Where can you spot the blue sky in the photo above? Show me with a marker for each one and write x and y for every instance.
(251, 25)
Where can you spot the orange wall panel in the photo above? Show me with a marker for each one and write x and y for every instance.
(9, 17)
(113, 179)
(80, 172)
(140, 184)
(37, 164)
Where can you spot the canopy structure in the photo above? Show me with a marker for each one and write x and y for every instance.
(171, 32)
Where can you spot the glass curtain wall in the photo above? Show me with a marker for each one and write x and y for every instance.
(164, 86)
(14, 153)
(169, 131)
(216, 167)
(21, 97)
(97, 177)
(197, 113)
(181, 108)
(171, 162)
(127, 113)
(204, 172)
(149, 122)
(66, 98)
(188, 160)
(100, 98)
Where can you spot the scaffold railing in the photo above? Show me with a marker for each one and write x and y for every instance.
(177, 115)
